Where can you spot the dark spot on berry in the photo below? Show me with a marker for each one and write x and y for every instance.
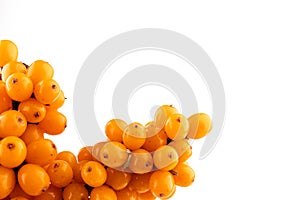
(170, 155)
(15, 80)
(44, 189)
(89, 169)
(53, 146)
(20, 120)
(56, 165)
(105, 155)
(178, 119)
(135, 126)
(53, 86)
(10, 146)
(161, 195)
(36, 114)
(47, 104)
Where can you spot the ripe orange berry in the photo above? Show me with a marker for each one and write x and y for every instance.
(114, 130)
(17, 191)
(126, 194)
(33, 179)
(40, 70)
(60, 173)
(146, 196)
(140, 182)
(41, 152)
(54, 122)
(46, 91)
(96, 149)
(134, 136)
(12, 152)
(183, 149)
(8, 181)
(6, 102)
(32, 133)
(8, 52)
(75, 191)
(13, 67)
(93, 174)
(77, 171)
(165, 158)
(67, 156)
(200, 124)
(177, 127)
(85, 153)
(154, 141)
(116, 179)
(113, 154)
(103, 193)
(52, 193)
(162, 114)
(12, 123)
(161, 184)
(19, 87)
(58, 102)
(19, 198)
(141, 161)
(183, 175)
(33, 110)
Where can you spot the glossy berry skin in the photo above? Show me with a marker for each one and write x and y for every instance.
(58, 102)
(140, 182)
(114, 129)
(77, 171)
(33, 179)
(33, 110)
(67, 156)
(155, 139)
(161, 184)
(17, 192)
(75, 191)
(200, 124)
(103, 193)
(141, 161)
(13, 67)
(165, 158)
(177, 127)
(19, 87)
(60, 173)
(85, 153)
(93, 173)
(146, 196)
(12, 123)
(54, 122)
(162, 114)
(134, 136)
(183, 149)
(183, 175)
(113, 154)
(96, 149)
(41, 152)
(126, 194)
(6, 102)
(116, 179)
(40, 70)
(46, 91)
(52, 193)
(8, 181)
(8, 52)
(32, 133)
(12, 151)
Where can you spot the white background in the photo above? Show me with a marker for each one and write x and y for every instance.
(255, 46)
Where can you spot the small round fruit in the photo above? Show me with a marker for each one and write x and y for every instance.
(140, 182)
(54, 122)
(183, 175)
(75, 191)
(60, 173)
(40, 70)
(146, 196)
(8, 52)
(12, 67)
(96, 149)
(12, 151)
(77, 171)
(141, 161)
(200, 124)
(161, 183)
(155, 141)
(114, 130)
(126, 194)
(103, 193)
(183, 149)
(58, 102)
(93, 174)
(32, 133)
(8, 181)
(12, 123)
(85, 153)
(17, 191)
(165, 158)
(19, 87)
(116, 179)
(41, 152)
(113, 154)
(6, 102)
(67, 156)
(33, 110)
(52, 193)
(46, 91)
(177, 127)
(33, 179)
(162, 114)
(134, 136)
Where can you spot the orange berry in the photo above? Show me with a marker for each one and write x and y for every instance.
(40, 70)
(118, 180)
(113, 154)
(54, 122)
(146, 196)
(141, 161)
(46, 91)
(140, 182)
(8, 181)
(154, 141)
(162, 114)
(126, 194)
(165, 158)
(114, 130)
(19, 87)
(67, 156)
(183, 175)
(60, 173)
(33, 110)
(183, 149)
(177, 127)
(85, 153)
(41, 152)
(12, 151)
(19, 198)
(13, 67)
(12, 123)
(17, 191)
(6, 102)
(8, 52)
(96, 150)
(32, 133)
(161, 184)
(33, 179)
(77, 171)
(52, 193)
(103, 193)
(200, 124)
(134, 136)
(75, 191)
(93, 174)
(58, 102)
